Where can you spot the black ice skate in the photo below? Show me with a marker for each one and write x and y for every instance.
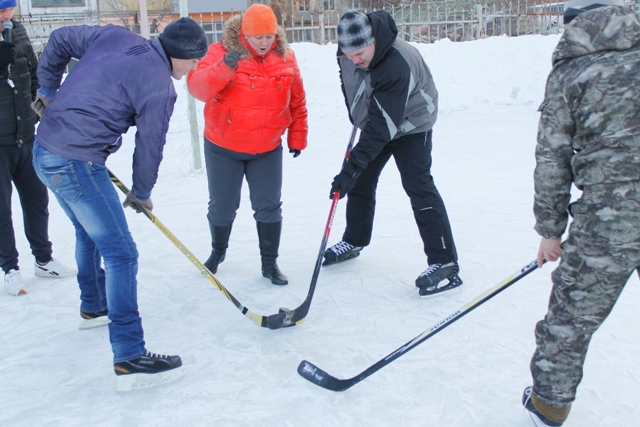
(340, 252)
(430, 279)
(538, 419)
(149, 370)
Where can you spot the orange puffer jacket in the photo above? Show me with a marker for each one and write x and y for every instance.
(248, 109)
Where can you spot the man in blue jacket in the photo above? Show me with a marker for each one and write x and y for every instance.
(121, 80)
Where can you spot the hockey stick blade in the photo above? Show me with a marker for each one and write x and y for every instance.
(311, 372)
(298, 314)
(283, 319)
(319, 377)
(274, 321)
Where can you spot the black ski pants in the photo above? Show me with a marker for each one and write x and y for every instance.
(412, 154)
(16, 166)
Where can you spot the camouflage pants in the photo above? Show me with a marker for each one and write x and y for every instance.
(600, 254)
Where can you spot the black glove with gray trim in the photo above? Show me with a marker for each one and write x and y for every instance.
(345, 180)
(40, 104)
(232, 58)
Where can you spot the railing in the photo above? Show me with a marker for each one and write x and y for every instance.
(432, 21)
(418, 22)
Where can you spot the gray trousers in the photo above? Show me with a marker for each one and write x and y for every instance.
(226, 170)
(600, 254)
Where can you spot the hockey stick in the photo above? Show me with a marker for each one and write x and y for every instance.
(274, 321)
(312, 373)
(297, 315)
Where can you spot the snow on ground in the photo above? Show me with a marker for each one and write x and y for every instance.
(237, 374)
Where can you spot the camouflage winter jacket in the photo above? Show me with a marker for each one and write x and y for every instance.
(589, 130)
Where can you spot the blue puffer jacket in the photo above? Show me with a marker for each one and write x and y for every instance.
(121, 80)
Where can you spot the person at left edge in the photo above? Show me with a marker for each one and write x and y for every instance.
(253, 93)
(18, 84)
(120, 80)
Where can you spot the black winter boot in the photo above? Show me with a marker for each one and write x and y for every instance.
(269, 237)
(219, 243)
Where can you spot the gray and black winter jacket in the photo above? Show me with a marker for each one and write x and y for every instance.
(395, 96)
(17, 118)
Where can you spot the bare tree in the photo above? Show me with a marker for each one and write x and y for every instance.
(125, 13)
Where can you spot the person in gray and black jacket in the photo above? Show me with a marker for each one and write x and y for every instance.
(391, 97)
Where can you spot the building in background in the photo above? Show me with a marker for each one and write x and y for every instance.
(40, 17)
(422, 21)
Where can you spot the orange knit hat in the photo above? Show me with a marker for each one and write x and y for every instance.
(259, 20)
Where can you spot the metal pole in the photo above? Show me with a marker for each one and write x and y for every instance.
(144, 19)
(191, 109)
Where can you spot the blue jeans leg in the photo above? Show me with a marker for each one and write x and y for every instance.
(90, 200)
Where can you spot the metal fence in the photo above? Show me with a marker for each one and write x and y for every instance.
(431, 21)
(424, 22)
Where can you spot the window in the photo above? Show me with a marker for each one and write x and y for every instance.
(303, 5)
(56, 3)
(329, 4)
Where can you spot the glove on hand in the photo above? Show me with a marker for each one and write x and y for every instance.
(295, 153)
(7, 56)
(345, 180)
(135, 203)
(40, 104)
(232, 58)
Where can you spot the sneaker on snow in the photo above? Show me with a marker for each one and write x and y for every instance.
(559, 415)
(53, 268)
(148, 370)
(13, 283)
(340, 252)
(93, 319)
(429, 280)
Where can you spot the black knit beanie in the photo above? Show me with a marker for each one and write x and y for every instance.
(184, 39)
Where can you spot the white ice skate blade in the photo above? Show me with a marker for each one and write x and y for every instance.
(94, 323)
(438, 293)
(140, 381)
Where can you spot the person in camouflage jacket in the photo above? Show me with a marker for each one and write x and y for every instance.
(588, 135)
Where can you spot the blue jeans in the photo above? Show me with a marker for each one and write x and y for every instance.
(91, 202)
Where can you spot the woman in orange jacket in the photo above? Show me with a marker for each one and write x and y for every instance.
(253, 93)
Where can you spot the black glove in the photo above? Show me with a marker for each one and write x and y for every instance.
(295, 153)
(40, 104)
(135, 203)
(7, 56)
(345, 180)
(232, 58)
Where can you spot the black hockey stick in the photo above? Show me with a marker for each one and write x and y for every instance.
(274, 321)
(312, 373)
(297, 315)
